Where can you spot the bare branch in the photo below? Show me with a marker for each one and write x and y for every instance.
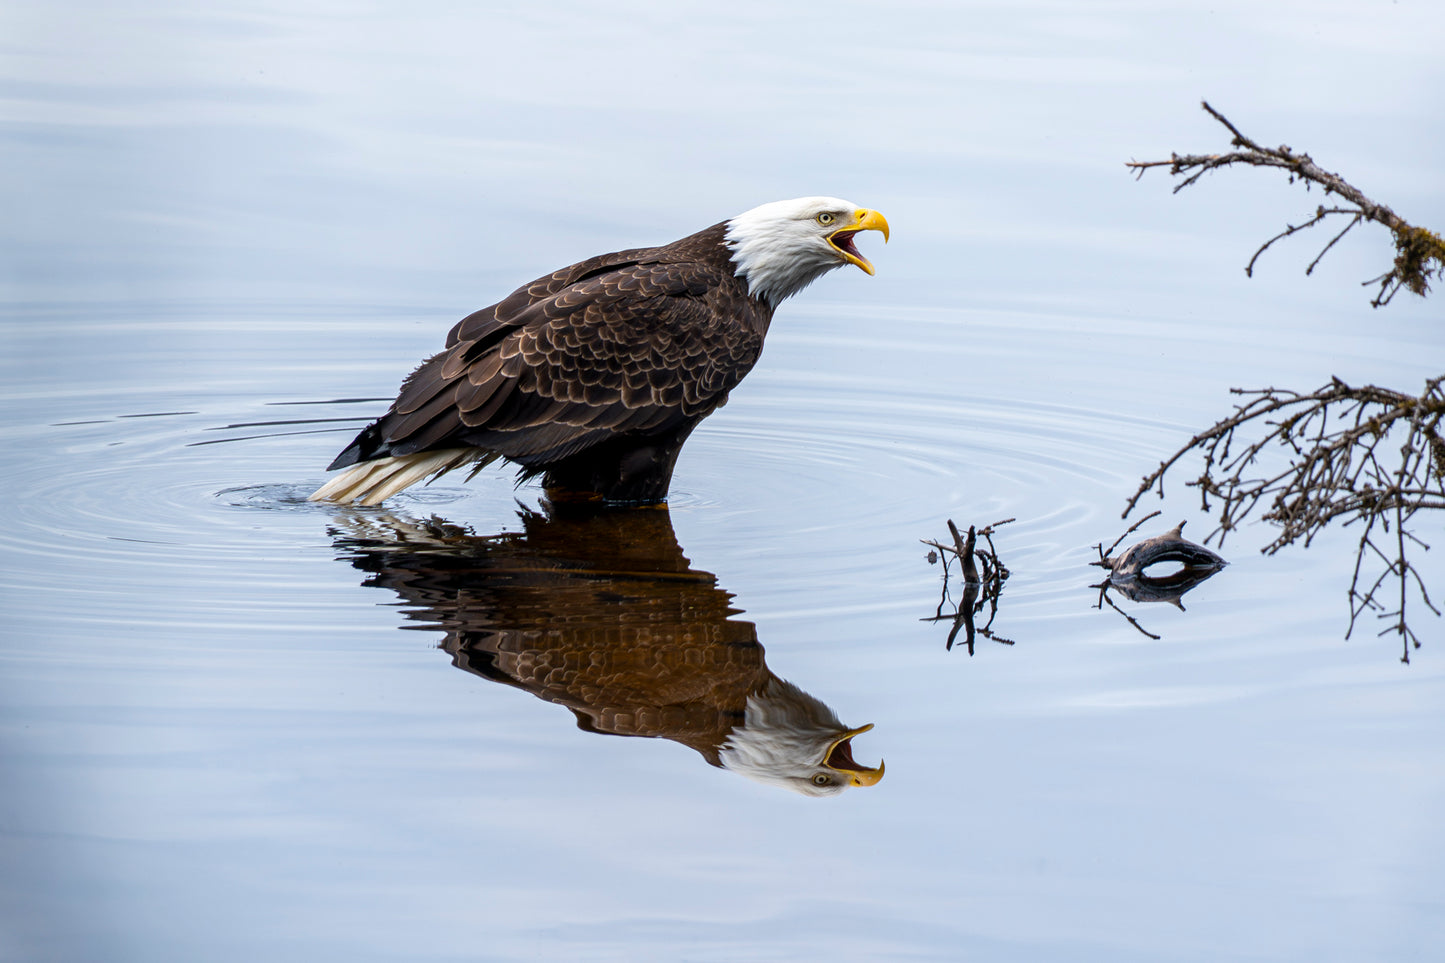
(1419, 253)
(1340, 466)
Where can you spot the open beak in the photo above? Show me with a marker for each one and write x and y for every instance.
(842, 239)
(840, 756)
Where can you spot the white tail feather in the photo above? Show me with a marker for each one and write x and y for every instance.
(371, 482)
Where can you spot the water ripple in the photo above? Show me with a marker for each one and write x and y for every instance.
(806, 480)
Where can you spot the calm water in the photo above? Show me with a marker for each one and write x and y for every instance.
(231, 230)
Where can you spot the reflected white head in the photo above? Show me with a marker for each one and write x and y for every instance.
(790, 739)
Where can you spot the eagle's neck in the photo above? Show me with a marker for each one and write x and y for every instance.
(776, 263)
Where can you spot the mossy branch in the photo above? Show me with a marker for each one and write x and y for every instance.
(1419, 253)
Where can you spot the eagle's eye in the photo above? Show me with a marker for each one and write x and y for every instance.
(821, 779)
(825, 218)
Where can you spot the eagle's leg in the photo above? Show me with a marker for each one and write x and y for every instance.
(626, 471)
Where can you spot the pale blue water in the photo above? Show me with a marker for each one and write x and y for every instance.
(226, 224)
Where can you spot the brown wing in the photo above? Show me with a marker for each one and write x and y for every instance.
(610, 346)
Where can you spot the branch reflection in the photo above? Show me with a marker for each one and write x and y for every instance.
(603, 614)
(1138, 574)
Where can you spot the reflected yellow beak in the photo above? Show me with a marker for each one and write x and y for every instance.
(842, 239)
(840, 759)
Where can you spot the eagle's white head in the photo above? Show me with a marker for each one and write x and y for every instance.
(782, 247)
(790, 739)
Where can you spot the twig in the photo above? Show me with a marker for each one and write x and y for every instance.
(1127, 532)
(1104, 597)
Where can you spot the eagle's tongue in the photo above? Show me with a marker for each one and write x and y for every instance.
(841, 757)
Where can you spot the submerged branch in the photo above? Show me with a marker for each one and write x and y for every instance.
(980, 588)
(1132, 574)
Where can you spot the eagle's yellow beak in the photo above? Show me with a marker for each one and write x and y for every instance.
(842, 239)
(840, 755)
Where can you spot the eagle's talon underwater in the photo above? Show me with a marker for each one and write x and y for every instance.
(594, 376)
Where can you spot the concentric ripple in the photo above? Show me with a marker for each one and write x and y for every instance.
(817, 480)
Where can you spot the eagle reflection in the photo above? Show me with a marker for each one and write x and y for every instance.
(602, 613)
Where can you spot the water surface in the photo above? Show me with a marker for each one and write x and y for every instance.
(241, 226)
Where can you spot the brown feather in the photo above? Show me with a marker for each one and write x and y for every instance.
(481, 416)
(420, 416)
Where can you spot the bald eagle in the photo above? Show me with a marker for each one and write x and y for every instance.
(595, 375)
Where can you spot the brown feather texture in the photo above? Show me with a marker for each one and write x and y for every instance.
(600, 612)
(594, 376)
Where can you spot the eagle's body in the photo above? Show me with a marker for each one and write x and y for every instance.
(595, 375)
